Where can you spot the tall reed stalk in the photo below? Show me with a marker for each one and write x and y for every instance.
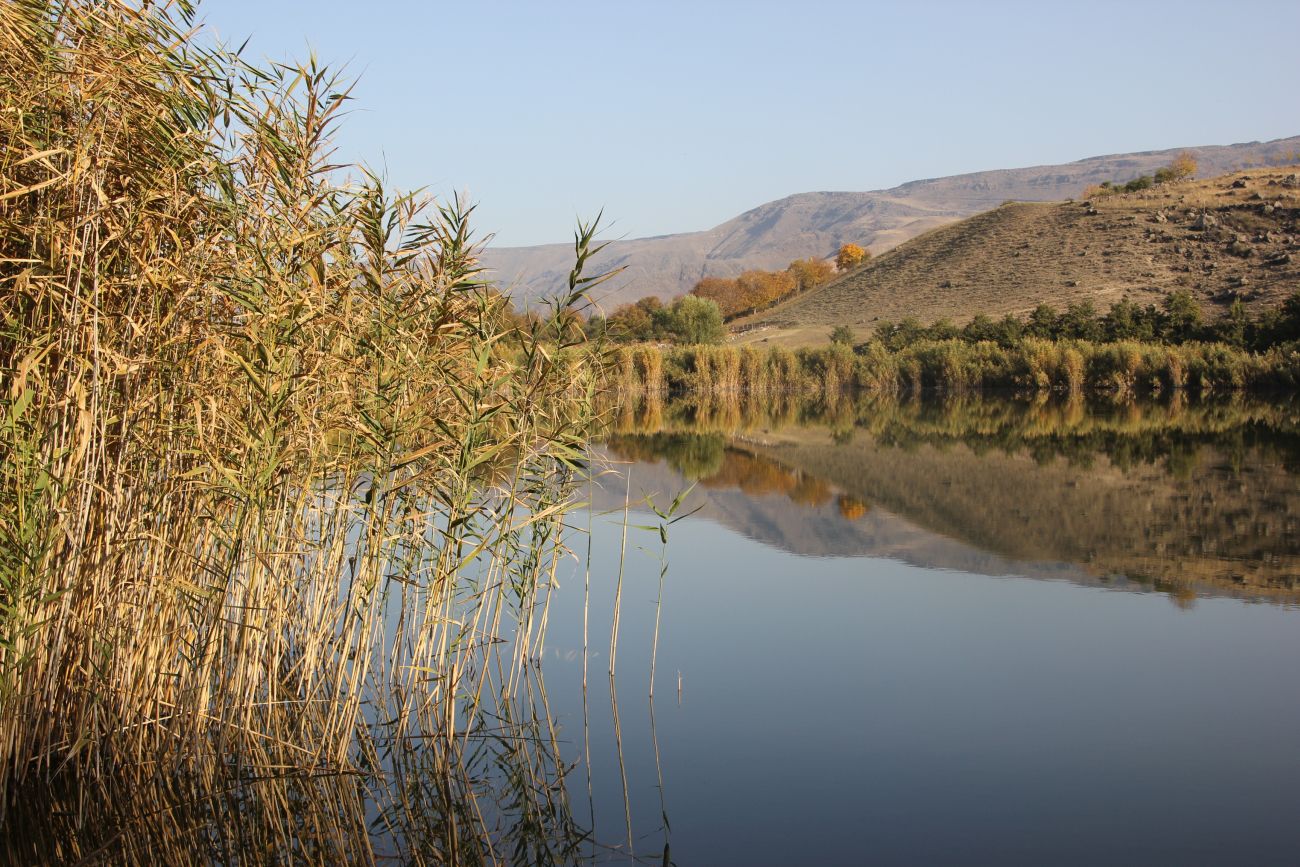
(274, 470)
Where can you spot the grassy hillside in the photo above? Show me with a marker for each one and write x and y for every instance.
(1234, 236)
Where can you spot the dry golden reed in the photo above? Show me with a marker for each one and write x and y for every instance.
(274, 470)
(1030, 364)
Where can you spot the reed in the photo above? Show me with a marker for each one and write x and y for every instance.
(1031, 364)
(274, 468)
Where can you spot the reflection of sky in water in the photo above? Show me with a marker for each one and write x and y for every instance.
(844, 711)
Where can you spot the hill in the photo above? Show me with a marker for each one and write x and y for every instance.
(1224, 238)
(816, 224)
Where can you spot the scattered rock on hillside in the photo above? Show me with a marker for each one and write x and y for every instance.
(1292, 181)
(1204, 221)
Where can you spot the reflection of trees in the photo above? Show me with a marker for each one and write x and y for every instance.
(811, 491)
(695, 456)
(753, 475)
(704, 457)
(851, 508)
(1125, 431)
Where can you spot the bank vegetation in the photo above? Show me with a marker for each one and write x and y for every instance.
(283, 481)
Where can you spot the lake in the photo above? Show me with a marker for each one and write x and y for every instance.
(963, 631)
(958, 631)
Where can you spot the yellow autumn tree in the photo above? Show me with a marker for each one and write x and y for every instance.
(1183, 167)
(849, 256)
(810, 272)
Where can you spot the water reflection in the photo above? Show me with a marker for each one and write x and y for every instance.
(1185, 498)
(857, 691)
(843, 709)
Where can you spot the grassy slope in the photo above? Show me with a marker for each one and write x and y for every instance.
(1022, 254)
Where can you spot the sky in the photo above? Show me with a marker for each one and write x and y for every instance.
(677, 116)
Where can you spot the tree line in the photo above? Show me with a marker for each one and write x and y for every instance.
(700, 316)
(1182, 168)
(1178, 319)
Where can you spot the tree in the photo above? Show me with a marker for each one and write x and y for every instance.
(808, 273)
(1232, 328)
(1283, 325)
(757, 288)
(1183, 167)
(850, 256)
(1128, 321)
(842, 334)
(1182, 316)
(721, 290)
(691, 319)
(902, 335)
(980, 328)
(1142, 182)
(943, 329)
(637, 321)
(1008, 331)
(1080, 322)
(1043, 322)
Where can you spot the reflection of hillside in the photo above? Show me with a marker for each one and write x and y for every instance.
(842, 527)
(1235, 524)
(1201, 500)
(707, 460)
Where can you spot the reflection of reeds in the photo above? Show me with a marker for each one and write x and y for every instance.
(691, 432)
(283, 485)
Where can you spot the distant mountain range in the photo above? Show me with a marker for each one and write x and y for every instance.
(816, 224)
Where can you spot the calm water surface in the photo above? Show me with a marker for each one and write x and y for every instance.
(986, 632)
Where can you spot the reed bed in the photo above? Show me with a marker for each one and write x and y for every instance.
(955, 365)
(282, 498)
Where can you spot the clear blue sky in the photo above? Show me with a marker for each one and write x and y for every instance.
(676, 116)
